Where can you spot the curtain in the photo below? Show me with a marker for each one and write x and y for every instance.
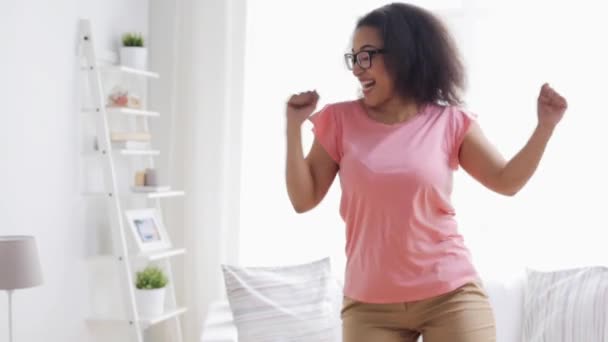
(200, 53)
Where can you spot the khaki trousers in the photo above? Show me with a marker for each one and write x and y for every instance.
(463, 315)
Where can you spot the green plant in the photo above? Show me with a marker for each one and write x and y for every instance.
(133, 39)
(150, 278)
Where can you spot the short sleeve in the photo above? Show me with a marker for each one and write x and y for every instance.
(328, 131)
(459, 124)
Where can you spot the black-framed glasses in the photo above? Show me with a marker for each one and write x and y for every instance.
(362, 58)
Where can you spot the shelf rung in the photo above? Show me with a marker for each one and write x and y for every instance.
(131, 111)
(150, 195)
(127, 152)
(162, 194)
(124, 152)
(150, 321)
(153, 256)
(147, 256)
(125, 111)
(122, 68)
(146, 322)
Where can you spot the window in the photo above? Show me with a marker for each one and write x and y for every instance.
(509, 52)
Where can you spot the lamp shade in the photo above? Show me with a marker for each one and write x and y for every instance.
(19, 263)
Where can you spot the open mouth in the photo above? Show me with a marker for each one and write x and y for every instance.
(368, 86)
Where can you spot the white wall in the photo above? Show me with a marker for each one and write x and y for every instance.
(40, 157)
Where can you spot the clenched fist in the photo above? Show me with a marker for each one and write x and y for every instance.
(300, 106)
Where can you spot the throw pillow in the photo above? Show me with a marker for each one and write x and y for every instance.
(566, 306)
(294, 303)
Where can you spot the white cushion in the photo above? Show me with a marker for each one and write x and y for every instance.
(285, 303)
(566, 306)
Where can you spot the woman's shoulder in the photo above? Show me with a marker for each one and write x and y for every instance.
(452, 111)
(343, 106)
(338, 110)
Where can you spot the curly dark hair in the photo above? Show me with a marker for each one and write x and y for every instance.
(420, 53)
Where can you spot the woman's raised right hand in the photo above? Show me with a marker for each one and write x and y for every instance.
(300, 106)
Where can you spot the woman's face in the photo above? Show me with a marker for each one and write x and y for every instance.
(376, 83)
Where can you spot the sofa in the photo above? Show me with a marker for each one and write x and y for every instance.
(568, 305)
(506, 295)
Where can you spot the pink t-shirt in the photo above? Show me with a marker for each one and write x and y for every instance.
(402, 240)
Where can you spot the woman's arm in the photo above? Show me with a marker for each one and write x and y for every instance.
(308, 179)
(484, 163)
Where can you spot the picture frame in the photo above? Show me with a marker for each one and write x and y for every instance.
(148, 230)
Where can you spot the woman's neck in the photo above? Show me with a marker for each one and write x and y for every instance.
(394, 110)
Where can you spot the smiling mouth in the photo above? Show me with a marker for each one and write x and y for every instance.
(367, 86)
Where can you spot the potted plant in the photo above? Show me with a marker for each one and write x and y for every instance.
(133, 53)
(150, 292)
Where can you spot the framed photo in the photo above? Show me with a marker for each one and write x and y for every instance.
(148, 230)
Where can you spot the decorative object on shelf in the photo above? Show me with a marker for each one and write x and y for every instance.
(133, 54)
(120, 97)
(151, 178)
(148, 229)
(150, 294)
(147, 181)
(134, 101)
(19, 269)
(140, 178)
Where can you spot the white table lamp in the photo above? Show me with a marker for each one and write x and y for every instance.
(19, 268)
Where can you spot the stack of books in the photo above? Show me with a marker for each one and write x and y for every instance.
(131, 140)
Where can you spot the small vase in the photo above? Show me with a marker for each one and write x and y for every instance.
(134, 57)
(150, 303)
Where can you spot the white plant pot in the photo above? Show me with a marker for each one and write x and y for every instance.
(134, 57)
(150, 302)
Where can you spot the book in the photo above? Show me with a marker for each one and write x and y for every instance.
(130, 136)
(131, 145)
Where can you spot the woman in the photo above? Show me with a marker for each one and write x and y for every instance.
(408, 271)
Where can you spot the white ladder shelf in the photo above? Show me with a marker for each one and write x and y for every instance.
(102, 115)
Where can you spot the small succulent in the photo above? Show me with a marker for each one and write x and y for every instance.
(133, 39)
(151, 278)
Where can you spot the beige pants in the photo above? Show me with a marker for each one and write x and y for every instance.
(463, 315)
